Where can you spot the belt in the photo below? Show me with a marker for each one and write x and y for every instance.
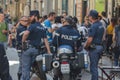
(97, 44)
(31, 46)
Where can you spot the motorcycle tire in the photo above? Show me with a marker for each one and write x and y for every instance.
(39, 72)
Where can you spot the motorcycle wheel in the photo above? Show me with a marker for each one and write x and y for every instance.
(39, 72)
(66, 77)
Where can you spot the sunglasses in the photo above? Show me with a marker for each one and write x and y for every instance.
(24, 20)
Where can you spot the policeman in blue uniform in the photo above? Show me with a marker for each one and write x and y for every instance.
(4, 65)
(66, 35)
(94, 43)
(34, 33)
(24, 23)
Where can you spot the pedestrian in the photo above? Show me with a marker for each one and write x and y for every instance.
(64, 14)
(40, 19)
(86, 23)
(105, 21)
(109, 31)
(94, 43)
(48, 25)
(23, 25)
(4, 65)
(116, 39)
(34, 34)
(57, 24)
(12, 37)
(75, 19)
(3, 30)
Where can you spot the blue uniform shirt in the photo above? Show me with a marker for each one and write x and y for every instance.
(37, 32)
(48, 24)
(66, 35)
(20, 31)
(96, 31)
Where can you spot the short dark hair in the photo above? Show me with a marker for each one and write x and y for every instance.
(104, 14)
(75, 19)
(51, 14)
(114, 20)
(65, 13)
(58, 19)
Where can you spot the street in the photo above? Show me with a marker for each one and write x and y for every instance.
(13, 62)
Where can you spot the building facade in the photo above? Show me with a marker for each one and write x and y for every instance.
(78, 8)
(113, 9)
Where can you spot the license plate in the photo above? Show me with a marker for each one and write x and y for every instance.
(65, 68)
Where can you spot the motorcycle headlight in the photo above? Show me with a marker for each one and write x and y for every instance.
(65, 49)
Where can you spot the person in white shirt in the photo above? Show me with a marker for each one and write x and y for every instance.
(57, 23)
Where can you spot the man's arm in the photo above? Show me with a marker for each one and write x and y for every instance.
(4, 31)
(88, 42)
(25, 35)
(51, 30)
(47, 45)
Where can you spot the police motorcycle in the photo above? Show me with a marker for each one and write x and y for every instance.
(67, 62)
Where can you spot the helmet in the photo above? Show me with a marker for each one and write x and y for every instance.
(65, 49)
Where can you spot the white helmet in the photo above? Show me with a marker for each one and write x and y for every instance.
(65, 49)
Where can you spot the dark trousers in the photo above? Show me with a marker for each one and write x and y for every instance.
(4, 65)
(109, 42)
(116, 57)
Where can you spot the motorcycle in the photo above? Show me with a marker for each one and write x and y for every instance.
(67, 63)
(37, 67)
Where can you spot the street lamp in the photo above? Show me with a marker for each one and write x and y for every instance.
(41, 1)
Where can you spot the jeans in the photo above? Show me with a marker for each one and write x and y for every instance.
(28, 58)
(94, 55)
(116, 57)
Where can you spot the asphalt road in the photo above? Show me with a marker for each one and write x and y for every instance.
(14, 63)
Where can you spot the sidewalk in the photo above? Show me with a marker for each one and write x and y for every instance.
(105, 62)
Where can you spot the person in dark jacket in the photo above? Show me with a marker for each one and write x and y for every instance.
(4, 65)
(24, 22)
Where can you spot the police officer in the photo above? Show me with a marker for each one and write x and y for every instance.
(94, 43)
(4, 65)
(66, 35)
(34, 33)
(23, 24)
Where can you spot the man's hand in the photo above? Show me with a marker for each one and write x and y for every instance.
(88, 42)
(24, 45)
(4, 31)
